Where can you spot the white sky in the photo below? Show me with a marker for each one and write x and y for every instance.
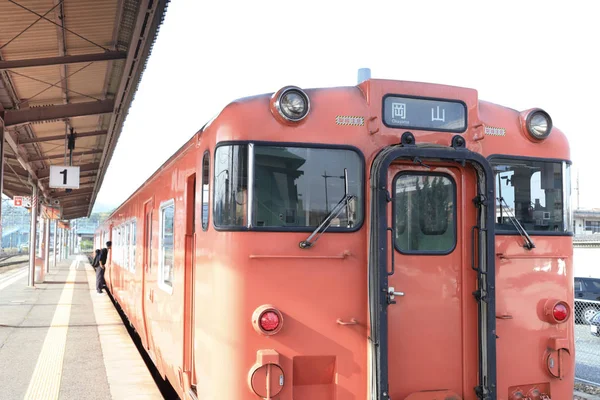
(519, 54)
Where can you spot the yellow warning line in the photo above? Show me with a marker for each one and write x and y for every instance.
(45, 381)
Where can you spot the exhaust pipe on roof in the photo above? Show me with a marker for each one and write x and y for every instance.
(363, 75)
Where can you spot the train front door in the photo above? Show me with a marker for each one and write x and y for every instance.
(432, 326)
(429, 263)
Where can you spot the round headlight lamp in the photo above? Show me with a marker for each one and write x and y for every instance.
(539, 124)
(292, 103)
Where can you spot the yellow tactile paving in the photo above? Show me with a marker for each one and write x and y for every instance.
(127, 374)
(45, 381)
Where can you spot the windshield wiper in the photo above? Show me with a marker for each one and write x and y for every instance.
(343, 203)
(528, 242)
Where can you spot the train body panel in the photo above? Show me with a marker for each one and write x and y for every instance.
(224, 250)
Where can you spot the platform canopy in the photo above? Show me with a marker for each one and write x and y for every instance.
(69, 70)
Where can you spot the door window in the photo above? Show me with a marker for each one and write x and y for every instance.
(424, 213)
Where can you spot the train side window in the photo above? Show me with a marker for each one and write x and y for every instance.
(205, 189)
(165, 245)
(133, 234)
(114, 251)
(126, 244)
(424, 213)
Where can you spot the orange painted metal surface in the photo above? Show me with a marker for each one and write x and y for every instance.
(322, 351)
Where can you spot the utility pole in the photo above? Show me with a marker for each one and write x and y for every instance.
(32, 235)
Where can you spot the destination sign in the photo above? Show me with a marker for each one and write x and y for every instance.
(416, 113)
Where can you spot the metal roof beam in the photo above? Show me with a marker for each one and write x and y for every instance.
(75, 154)
(62, 137)
(10, 140)
(15, 189)
(36, 114)
(69, 203)
(10, 177)
(16, 170)
(38, 62)
(81, 207)
(75, 192)
(44, 173)
(71, 215)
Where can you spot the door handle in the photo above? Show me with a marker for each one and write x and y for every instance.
(352, 321)
(392, 293)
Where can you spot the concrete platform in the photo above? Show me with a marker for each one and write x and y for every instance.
(61, 340)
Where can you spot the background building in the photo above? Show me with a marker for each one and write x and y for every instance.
(586, 243)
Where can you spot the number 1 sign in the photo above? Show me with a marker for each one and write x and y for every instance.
(64, 177)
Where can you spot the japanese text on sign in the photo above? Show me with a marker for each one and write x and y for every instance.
(426, 114)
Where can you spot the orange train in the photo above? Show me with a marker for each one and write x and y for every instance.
(389, 240)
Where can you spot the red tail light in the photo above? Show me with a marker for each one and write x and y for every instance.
(269, 321)
(560, 312)
(556, 311)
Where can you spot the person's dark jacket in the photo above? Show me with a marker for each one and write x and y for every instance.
(103, 256)
(96, 258)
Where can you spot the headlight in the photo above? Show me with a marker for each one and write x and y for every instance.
(539, 124)
(292, 103)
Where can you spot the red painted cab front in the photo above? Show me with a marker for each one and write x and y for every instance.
(391, 240)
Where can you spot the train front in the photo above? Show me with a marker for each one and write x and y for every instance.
(355, 257)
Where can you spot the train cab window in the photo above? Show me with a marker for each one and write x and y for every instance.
(165, 245)
(534, 192)
(424, 213)
(230, 186)
(298, 187)
(293, 188)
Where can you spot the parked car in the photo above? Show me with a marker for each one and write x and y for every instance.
(595, 325)
(587, 299)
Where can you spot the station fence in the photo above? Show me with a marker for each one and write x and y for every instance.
(587, 341)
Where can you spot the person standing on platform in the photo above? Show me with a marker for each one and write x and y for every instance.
(102, 268)
(96, 260)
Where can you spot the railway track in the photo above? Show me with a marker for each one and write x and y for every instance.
(7, 260)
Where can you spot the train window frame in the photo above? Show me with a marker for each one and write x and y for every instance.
(567, 197)
(415, 173)
(126, 244)
(115, 246)
(205, 197)
(132, 241)
(117, 236)
(309, 145)
(147, 239)
(244, 225)
(162, 284)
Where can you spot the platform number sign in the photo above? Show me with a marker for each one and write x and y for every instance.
(64, 177)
